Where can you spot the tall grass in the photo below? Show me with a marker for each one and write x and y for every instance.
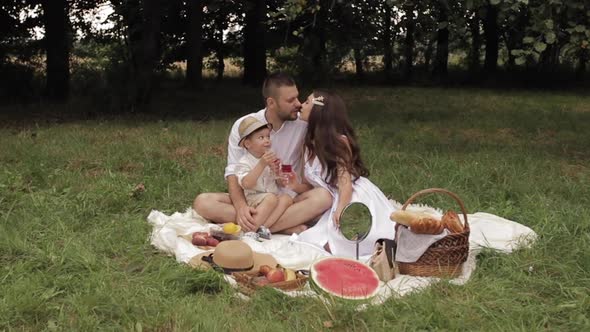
(74, 249)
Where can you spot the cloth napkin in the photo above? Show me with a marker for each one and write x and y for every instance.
(410, 246)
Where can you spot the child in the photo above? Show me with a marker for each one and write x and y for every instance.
(333, 161)
(255, 175)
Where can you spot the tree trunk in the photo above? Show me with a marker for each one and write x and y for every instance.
(318, 44)
(194, 58)
(254, 44)
(219, 49)
(387, 49)
(428, 53)
(442, 44)
(358, 62)
(57, 45)
(490, 26)
(581, 68)
(475, 44)
(152, 10)
(130, 11)
(409, 42)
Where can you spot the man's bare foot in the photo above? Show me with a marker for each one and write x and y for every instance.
(294, 230)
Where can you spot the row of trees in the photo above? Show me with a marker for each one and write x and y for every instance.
(312, 38)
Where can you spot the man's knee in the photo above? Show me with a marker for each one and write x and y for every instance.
(202, 201)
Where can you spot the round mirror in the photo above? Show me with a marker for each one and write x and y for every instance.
(355, 222)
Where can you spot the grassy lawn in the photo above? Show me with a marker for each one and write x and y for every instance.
(74, 248)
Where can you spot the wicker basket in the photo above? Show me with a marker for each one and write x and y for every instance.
(247, 285)
(445, 257)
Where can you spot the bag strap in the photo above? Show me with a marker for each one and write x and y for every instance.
(389, 246)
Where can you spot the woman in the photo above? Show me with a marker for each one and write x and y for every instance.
(332, 161)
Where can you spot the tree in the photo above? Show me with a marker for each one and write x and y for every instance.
(491, 33)
(442, 41)
(57, 43)
(387, 40)
(410, 25)
(254, 43)
(194, 56)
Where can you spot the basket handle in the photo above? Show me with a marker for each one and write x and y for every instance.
(439, 190)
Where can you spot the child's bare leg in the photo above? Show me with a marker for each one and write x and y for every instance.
(264, 209)
(284, 201)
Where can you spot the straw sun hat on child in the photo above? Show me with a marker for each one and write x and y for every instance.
(249, 125)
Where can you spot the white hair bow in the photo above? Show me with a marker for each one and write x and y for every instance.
(318, 100)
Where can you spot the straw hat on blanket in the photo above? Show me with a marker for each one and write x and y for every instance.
(232, 256)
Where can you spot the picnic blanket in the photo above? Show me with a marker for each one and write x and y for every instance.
(487, 231)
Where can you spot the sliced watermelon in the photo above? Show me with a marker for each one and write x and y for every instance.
(344, 278)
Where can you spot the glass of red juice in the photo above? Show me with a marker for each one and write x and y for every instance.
(286, 168)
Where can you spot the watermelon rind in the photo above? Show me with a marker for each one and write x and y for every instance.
(346, 270)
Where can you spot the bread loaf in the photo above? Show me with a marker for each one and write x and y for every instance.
(419, 223)
(427, 226)
(451, 221)
(407, 218)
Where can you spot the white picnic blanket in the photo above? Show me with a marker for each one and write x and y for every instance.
(487, 231)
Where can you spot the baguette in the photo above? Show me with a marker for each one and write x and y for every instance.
(451, 221)
(407, 218)
(419, 223)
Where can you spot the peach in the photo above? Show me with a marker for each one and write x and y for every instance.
(199, 240)
(203, 234)
(212, 242)
(264, 269)
(275, 275)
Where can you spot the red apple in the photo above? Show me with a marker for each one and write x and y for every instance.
(264, 269)
(199, 240)
(212, 242)
(203, 234)
(275, 275)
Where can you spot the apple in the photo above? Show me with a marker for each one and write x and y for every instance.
(203, 234)
(264, 269)
(199, 240)
(275, 275)
(212, 242)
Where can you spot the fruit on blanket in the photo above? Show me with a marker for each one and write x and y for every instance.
(231, 228)
(275, 275)
(344, 278)
(212, 242)
(199, 240)
(290, 275)
(264, 269)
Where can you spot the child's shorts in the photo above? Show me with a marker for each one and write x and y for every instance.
(254, 200)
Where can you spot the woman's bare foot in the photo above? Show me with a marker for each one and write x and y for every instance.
(294, 230)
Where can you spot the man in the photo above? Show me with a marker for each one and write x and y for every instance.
(282, 107)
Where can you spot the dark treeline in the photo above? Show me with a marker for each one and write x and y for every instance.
(51, 49)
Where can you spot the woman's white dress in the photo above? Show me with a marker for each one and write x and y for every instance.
(364, 191)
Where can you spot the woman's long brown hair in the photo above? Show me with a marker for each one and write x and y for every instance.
(326, 125)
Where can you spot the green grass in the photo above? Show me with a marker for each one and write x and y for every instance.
(74, 248)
